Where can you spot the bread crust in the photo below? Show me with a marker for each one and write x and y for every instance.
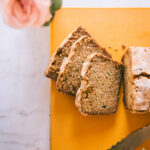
(61, 84)
(134, 108)
(86, 66)
(56, 60)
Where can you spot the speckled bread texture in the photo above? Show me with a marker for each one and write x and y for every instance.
(62, 52)
(69, 78)
(100, 86)
(136, 62)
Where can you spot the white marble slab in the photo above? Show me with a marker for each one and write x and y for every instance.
(24, 91)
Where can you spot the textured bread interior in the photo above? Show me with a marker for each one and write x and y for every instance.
(69, 78)
(99, 91)
(136, 82)
(62, 52)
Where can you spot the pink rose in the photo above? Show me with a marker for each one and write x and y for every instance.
(25, 13)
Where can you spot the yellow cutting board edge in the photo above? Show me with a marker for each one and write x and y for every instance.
(110, 27)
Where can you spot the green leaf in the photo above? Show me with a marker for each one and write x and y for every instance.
(52, 9)
(48, 22)
(57, 3)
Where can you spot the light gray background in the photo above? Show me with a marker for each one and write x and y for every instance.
(24, 91)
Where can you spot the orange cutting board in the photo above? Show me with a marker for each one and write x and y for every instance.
(111, 27)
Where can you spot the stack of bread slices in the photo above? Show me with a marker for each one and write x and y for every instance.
(84, 69)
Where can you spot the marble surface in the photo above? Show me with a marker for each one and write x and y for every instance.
(24, 91)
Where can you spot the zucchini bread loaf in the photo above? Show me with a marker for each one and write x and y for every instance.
(99, 90)
(137, 79)
(69, 78)
(62, 52)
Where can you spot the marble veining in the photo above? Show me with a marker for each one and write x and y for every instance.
(24, 91)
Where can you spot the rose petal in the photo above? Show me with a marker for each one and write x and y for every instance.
(25, 13)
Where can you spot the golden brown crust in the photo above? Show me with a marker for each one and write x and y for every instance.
(136, 85)
(85, 83)
(74, 62)
(63, 51)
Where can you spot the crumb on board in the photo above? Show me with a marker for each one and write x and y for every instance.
(116, 49)
(123, 46)
(109, 47)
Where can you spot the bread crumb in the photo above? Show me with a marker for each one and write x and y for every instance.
(116, 49)
(109, 47)
(123, 46)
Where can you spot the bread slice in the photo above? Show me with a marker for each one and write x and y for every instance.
(69, 78)
(136, 62)
(62, 52)
(100, 86)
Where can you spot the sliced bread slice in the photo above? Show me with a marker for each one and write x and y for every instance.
(69, 78)
(100, 86)
(62, 52)
(137, 79)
